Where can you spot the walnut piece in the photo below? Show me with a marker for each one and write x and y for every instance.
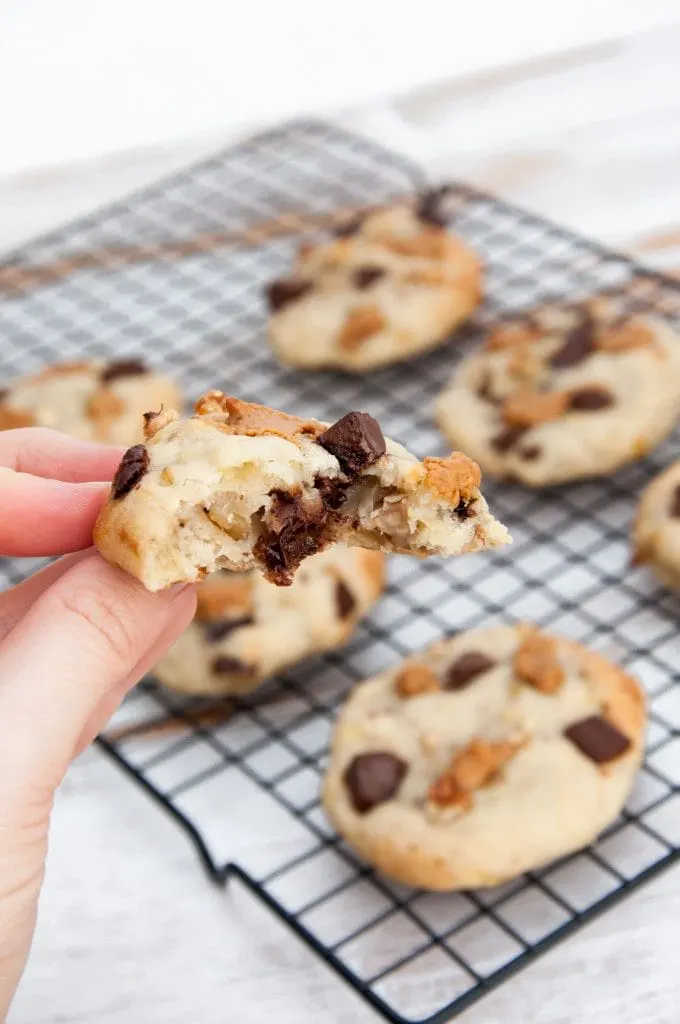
(415, 679)
(471, 768)
(361, 323)
(536, 662)
(526, 408)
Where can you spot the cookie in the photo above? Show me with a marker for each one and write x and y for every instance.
(95, 401)
(242, 486)
(394, 285)
(566, 393)
(656, 532)
(486, 756)
(246, 629)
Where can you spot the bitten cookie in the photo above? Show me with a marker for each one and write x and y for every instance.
(656, 533)
(242, 486)
(246, 629)
(394, 285)
(96, 400)
(568, 392)
(484, 757)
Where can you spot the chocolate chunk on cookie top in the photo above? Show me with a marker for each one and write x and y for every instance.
(244, 620)
(242, 486)
(523, 762)
(384, 289)
(598, 739)
(568, 392)
(374, 778)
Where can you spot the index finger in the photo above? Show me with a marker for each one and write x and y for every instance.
(46, 453)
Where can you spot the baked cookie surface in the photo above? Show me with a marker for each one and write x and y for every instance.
(242, 486)
(566, 393)
(394, 285)
(656, 532)
(485, 756)
(95, 400)
(246, 629)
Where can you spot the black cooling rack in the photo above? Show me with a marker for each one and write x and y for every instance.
(256, 763)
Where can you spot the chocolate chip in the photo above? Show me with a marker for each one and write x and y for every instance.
(675, 503)
(122, 368)
(332, 491)
(219, 629)
(223, 665)
(531, 452)
(349, 228)
(579, 344)
(429, 206)
(133, 466)
(598, 739)
(373, 778)
(287, 289)
(590, 399)
(484, 391)
(364, 277)
(356, 441)
(293, 530)
(466, 668)
(507, 439)
(344, 600)
(464, 509)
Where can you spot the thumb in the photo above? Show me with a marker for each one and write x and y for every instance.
(79, 642)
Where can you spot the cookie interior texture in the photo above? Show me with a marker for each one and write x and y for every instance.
(656, 532)
(486, 756)
(567, 392)
(394, 284)
(93, 400)
(240, 486)
(246, 629)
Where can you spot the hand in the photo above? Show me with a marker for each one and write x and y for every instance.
(74, 638)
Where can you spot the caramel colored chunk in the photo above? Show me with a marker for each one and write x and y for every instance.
(454, 479)
(429, 244)
(360, 324)
(103, 407)
(237, 417)
(529, 408)
(510, 335)
(622, 338)
(10, 419)
(433, 276)
(470, 769)
(219, 597)
(415, 679)
(536, 662)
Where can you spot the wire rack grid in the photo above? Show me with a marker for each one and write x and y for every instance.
(414, 956)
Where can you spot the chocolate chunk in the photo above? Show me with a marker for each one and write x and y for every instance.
(332, 491)
(223, 665)
(287, 289)
(356, 441)
(218, 629)
(349, 228)
(464, 509)
(675, 503)
(590, 399)
(598, 739)
(466, 668)
(3, 394)
(293, 530)
(531, 452)
(133, 466)
(429, 207)
(373, 778)
(344, 600)
(122, 368)
(364, 277)
(578, 345)
(507, 439)
(484, 391)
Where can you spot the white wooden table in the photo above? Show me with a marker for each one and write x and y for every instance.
(129, 929)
